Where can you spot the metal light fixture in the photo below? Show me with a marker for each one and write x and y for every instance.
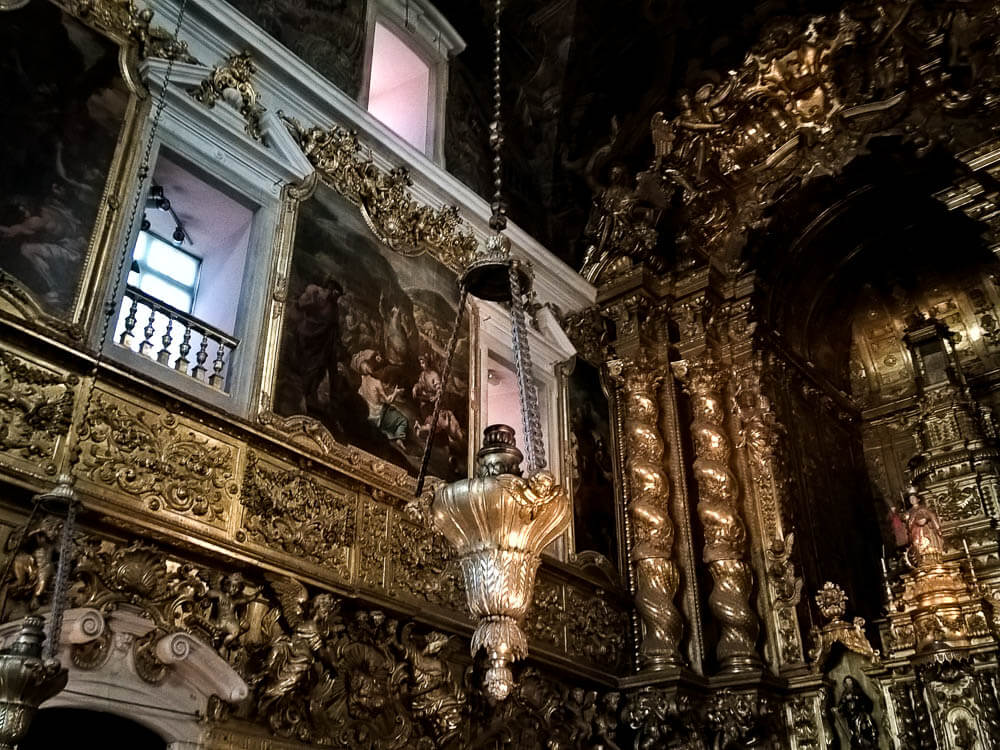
(497, 521)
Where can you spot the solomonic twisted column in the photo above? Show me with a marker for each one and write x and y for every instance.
(657, 576)
(725, 533)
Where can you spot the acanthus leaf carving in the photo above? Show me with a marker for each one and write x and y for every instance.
(386, 204)
(156, 459)
(294, 513)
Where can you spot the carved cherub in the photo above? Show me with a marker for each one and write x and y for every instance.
(228, 595)
(292, 654)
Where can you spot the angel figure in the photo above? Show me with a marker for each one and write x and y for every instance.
(292, 655)
(436, 695)
(33, 565)
(228, 595)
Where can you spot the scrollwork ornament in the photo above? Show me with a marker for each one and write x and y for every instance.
(384, 198)
(233, 84)
(157, 459)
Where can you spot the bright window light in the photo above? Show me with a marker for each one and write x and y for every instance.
(164, 271)
(400, 88)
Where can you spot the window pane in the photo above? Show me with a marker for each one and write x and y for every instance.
(172, 262)
(165, 291)
(399, 92)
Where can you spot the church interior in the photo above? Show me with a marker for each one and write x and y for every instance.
(500, 375)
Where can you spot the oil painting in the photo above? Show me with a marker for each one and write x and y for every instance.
(594, 517)
(364, 340)
(64, 102)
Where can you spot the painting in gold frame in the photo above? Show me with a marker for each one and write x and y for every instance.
(363, 341)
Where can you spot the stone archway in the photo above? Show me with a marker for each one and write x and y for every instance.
(121, 664)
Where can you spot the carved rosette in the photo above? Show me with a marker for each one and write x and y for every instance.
(725, 533)
(657, 575)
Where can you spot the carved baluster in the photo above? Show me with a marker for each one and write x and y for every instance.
(217, 380)
(199, 371)
(657, 575)
(147, 345)
(127, 338)
(182, 363)
(163, 356)
(725, 548)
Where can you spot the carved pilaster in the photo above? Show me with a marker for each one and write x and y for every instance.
(760, 436)
(725, 549)
(656, 573)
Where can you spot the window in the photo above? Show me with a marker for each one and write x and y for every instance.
(164, 271)
(409, 44)
(182, 295)
(399, 92)
(503, 400)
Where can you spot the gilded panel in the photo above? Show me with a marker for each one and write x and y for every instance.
(36, 410)
(422, 567)
(596, 628)
(146, 458)
(307, 521)
(546, 620)
(373, 543)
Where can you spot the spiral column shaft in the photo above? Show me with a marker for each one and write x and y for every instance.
(725, 549)
(657, 575)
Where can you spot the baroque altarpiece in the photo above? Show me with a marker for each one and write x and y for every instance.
(773, 405)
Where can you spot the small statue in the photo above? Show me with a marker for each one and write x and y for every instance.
(855, 707)
(924, 531)
(228, 595)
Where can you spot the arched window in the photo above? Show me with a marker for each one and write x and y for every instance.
(409, 44)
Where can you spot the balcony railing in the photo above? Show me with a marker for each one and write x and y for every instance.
(174, 339)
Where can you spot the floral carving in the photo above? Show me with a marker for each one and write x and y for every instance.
(156, 459)
(233, 83)
(384, 198)
(292, 512)
(36, 407)
(423, 566)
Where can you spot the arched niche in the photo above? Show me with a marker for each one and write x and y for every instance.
(120, 663)
(63, 727)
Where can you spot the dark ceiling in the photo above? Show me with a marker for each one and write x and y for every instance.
(582, 80)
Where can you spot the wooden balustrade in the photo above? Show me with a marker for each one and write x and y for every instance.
(177, 334)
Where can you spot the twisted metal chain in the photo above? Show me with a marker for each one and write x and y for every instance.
(528, 392)
(445, 377)
(498, 217)
(59, 588)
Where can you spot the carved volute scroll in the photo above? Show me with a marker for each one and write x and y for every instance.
(726, 542)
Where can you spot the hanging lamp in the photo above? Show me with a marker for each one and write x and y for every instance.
(499, 521)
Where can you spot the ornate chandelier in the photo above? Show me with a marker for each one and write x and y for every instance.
(498, 521)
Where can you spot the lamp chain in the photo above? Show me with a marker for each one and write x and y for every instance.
(527, 390)
(498, 217)
(59, 587)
